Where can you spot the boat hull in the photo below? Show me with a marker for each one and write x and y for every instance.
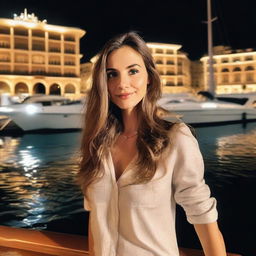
(214, 116)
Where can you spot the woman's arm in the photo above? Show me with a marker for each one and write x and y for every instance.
(211, 239)
(90, 239)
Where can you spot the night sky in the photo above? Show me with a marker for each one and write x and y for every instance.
(173, 21)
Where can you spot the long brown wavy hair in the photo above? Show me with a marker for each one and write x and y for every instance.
(103, 119)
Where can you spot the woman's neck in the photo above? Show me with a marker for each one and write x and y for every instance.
(130, 121)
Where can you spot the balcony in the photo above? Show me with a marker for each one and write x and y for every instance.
(70, 74)
(4, 45)
(20, 72)
(52, 49)
(21, 47)
(69, 63)
(54, 62)
(69, 51)
(5, 72)
(168, 83)
(54, 37)
(4, 31)
(159, 51)
(169, 62)
(38, 48)
(169, 73)
(5, 60)
(169, 52)
(38, 73)
(159, 62)
(70, 39)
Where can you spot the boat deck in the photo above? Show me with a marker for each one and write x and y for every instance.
(24, 242)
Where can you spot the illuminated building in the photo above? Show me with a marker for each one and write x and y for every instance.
(173, 67)
(86, 71)
(234, 70)
(39, 58)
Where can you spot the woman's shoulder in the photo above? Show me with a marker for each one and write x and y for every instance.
(181, 132)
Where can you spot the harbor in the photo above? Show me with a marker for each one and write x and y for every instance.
(39, 189)
(45, 77)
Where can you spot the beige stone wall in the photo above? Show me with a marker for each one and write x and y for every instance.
(234, 70)
(36, 56)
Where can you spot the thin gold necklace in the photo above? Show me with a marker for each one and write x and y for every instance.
(130, 136)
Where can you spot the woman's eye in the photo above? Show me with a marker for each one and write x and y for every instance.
(111, 74)
(133, 71)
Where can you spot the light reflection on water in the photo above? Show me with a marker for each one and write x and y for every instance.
(37, 179)
(229, 151)
(38, 172)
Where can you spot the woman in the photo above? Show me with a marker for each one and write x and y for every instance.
(135, 165)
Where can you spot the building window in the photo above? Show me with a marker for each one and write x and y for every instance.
(159, 50)
(169, 62)
(169, 73)
(159, 62)
(38, 59)
(248, 58)
(225, 78)
(225, 70)
(249, 77)
(237, 78)
(236, 69)
(169, 83)
(249, 68)
(236, 59)
(70, 88)
(169, 51)
(224, 60)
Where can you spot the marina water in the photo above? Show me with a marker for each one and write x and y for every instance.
(38, 186)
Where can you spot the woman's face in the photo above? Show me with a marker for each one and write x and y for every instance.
(127, 78)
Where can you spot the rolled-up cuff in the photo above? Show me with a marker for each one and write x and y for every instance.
(200, 216)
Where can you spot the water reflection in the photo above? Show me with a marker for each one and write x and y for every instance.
(37, 175)
(38, 172)
(229, 152)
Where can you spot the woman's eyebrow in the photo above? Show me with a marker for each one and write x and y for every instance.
(130, 66)
(110, 69)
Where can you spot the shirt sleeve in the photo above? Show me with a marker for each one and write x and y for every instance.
(86, 205)
(190, 190)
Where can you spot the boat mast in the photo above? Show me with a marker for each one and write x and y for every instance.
(211, 82)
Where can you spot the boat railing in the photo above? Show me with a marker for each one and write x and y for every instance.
(26, 242)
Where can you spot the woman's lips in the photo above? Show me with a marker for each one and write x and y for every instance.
(124, 95)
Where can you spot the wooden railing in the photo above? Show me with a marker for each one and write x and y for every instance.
(24, 242)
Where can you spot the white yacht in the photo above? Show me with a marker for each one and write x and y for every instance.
(195, 111)
(44, 113)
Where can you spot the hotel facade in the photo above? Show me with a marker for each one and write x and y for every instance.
(234, 70)
(39, 58)
(173, 66)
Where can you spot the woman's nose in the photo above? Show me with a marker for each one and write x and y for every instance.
(123, 81)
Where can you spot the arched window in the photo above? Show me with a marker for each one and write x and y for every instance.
(225, 70)
(237, 69)
(21, 88)
(70, 88)
(4, 87)
(39, 88)
(249, 68)
(55, 89)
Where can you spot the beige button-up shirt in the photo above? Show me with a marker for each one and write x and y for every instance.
(139, 220)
